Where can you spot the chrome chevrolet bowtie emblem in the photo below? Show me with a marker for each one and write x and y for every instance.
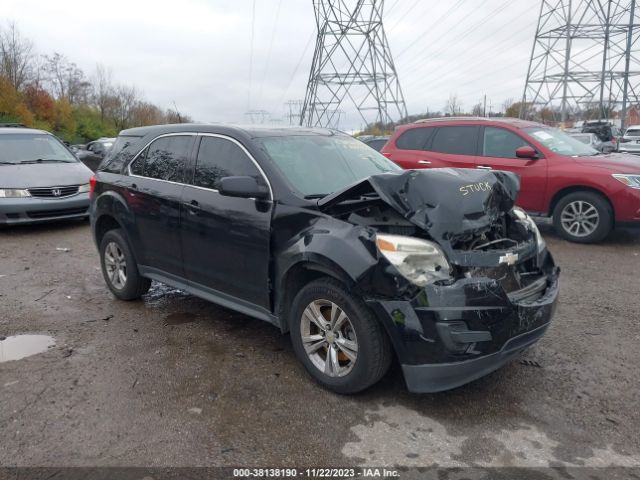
(56, 192)
(509, 258)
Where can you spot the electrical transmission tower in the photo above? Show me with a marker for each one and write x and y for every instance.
(584, 63)
(351, 63)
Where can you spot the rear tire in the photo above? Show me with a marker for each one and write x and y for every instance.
(119, 267)
(583, 217)
(350, 356)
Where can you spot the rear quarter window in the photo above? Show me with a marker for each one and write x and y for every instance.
(123, 150)
(415, 138)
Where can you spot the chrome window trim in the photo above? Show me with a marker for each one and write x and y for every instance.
(198, 134)
(135, 157)
(226, 137)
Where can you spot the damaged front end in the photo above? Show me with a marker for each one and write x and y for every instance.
(463, 280)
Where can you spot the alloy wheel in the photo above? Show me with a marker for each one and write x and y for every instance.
(116, 265)
(329, 338)
(580, 218)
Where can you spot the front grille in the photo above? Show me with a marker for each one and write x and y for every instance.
(57, 213)
(54, 192)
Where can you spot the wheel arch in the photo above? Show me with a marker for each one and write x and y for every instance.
(559, 195)
(300, 274)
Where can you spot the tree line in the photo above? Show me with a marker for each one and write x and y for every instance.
(52, 93)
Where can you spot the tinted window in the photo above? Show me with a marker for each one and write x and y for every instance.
(501, 143)
(415, 139)
(137, 167)
(218, 158)
(455, 140)
(122, 151)
(376, 144)
(25, 147)
(164, 159)
(632, 133)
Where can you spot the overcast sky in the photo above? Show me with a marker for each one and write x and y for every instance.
(197, 53)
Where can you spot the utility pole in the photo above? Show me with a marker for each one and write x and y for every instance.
(585, 53)
(352, 63)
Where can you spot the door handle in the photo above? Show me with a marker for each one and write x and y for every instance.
(424, 162)
(193, 206)
(484, 167)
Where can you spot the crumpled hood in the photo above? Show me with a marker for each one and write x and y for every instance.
(445, 202)
(43, 175)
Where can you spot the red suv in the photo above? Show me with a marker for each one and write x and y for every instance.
(584, 191)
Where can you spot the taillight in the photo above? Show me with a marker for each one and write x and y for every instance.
(92, 184)
(387, 154)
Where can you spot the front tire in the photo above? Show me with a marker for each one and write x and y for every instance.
(583, 217)
(119, 267)
(337, 338)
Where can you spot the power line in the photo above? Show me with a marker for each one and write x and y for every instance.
(297, 67)
(273, 36)
(253, 23)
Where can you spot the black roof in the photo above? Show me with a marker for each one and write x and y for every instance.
(252, 131)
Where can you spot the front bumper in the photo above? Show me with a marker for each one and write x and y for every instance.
(16, 211)
(450, 335)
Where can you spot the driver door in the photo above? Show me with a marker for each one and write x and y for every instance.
(498, 152)
(225, 240)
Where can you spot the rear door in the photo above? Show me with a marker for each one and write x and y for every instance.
(409, 151)
(154, 197)
(225, 240)
(498, 152)
(453, 146)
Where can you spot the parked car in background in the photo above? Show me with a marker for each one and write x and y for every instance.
(315, 232)
(94, 152)
(584, 191)
(608, 134)
(630, 141)
(376, 142)
(590, 139)
(40, 180)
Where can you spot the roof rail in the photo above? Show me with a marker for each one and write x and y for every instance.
(444, 119)
(12, 125)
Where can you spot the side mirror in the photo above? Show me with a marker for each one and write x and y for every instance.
(244, 187)
(526, 152)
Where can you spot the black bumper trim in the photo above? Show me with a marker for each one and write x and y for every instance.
(431, 378)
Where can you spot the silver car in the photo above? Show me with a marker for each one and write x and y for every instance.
(40, 179)
(590, 139)
(630, 141)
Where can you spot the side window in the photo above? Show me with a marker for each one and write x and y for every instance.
(415, 139)
(165, 158)
(501, 143)
(137, 167)
(455, 140)
(218, 158)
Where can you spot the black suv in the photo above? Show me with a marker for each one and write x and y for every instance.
(315, 232)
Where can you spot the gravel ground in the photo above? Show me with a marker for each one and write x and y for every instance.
(172, 380)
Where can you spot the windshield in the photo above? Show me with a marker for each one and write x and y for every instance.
(26, 147)
(319, 165)
(632, 133)
(559, 142)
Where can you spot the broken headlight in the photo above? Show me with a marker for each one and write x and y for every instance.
(419, 261)
(528, 222)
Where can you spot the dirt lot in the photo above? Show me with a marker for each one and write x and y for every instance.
(175, 381)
